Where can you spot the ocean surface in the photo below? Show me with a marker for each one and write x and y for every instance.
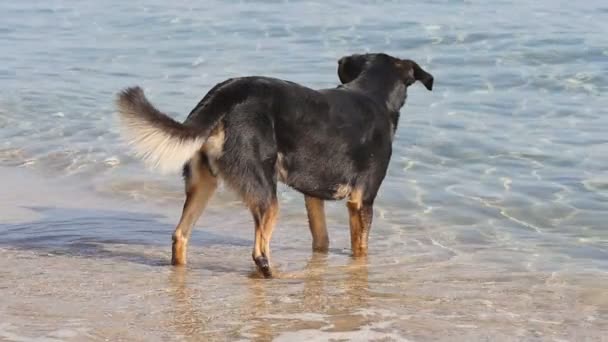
(492, 223)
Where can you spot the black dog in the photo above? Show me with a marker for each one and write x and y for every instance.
(328, 144)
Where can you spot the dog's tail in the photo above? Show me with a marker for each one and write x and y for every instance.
(162, 142)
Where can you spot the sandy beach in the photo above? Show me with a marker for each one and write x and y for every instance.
(87, 286)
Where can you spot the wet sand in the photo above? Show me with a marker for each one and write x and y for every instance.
(63, 277)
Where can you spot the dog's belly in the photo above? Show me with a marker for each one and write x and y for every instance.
(313, 179)
(334, 192)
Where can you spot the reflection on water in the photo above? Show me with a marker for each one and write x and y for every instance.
(330, 299)
(184, 308)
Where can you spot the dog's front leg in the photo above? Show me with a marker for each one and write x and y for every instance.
(316, 221)
(360, 216)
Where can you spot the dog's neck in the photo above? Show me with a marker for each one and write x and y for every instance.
(389, 91)
(396, 100)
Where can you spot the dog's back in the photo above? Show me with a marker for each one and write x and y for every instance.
(322, 140)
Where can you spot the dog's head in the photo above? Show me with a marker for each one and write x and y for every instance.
(351, 67)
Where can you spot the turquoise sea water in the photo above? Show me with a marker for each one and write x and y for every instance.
(500, 173)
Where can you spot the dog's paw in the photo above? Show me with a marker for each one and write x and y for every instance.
(263, 266)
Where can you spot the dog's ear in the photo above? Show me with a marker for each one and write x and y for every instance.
(422, 76)
(349, 68)
(412, 72)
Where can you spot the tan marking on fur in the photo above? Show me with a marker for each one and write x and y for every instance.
(179, 251)
(365, 215)
(356, 198)
(199, 189)
(316, 222)
(214, 146)
(280, 168)
(355, 226)
(354, 204)
(264, 227)
(268, 224)
(342, 191)
(195, 173)
(360, 223)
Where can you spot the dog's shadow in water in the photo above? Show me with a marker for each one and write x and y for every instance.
(95, 233)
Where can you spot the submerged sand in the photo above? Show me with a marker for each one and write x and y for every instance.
(77, 266)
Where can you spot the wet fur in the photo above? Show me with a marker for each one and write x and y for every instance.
(254, 131)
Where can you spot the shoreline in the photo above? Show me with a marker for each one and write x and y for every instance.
(76, 265)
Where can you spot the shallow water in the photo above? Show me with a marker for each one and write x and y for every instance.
(491, 223)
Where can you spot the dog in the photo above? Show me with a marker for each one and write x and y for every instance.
(251, 132)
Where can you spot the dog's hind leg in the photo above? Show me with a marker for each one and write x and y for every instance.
(253, 176)
(265, 217)
(316, 221)
(248, 165)
(200, 186)
(360, 216)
